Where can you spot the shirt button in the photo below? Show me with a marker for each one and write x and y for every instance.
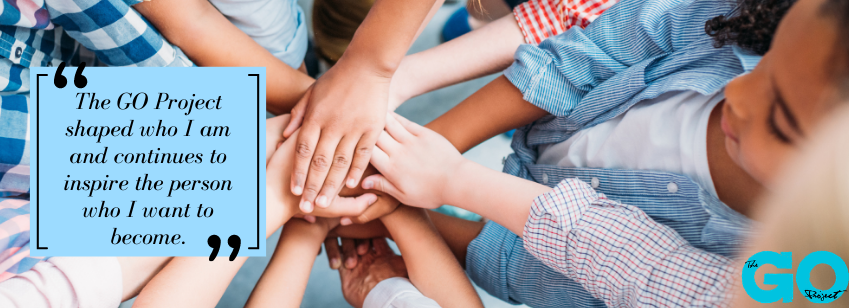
(545, 178)
(594, 182)
(18, 52)
(672, 187)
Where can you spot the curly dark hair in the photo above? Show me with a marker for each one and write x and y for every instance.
(750, 26)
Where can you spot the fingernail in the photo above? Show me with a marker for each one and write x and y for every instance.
(297, 190)
(345, 221)
(372, 200)
(306, 206)
(351, 263)
(368, 184)
(335, 263)
(351, 183)
(321, 201)
(309, 218)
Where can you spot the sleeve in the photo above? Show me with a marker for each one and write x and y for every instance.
(83, 282)
(116, 33)
(397, 292)
(541, 19)
(618, 54)
(620, 255)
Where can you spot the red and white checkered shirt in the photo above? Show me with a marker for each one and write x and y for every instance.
(622, 256)
(541, 19)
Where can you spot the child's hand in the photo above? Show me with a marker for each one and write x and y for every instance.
(416, 164)
(342, 116)
(282, 204)
(377, 265)
(385, 204)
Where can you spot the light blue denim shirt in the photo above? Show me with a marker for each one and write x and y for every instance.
(636, 50)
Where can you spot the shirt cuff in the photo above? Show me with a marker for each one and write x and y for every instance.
(535, 73)
(386, 291)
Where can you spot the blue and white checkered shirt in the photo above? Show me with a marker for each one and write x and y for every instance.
(117, 35)
(636, 50)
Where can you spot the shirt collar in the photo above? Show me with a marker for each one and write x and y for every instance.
(747, 58)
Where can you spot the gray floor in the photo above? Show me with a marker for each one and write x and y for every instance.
(324, 286)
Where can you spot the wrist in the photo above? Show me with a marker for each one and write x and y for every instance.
(455, 183)
(370, 65)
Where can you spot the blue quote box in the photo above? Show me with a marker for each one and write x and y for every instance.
(223, 110)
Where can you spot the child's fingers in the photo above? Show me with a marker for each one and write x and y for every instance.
(338, 169)
(362, 154)
(349, 253)
(381, 247)
(380, 160)
(394, 128)
(298, 113)
(378, 182)
(304, 149)
(317, 168)
(386, 143)
(347, 206)
(410, 126)
(331, 245)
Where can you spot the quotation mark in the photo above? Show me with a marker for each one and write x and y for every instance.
(79, 80)
(234, 241)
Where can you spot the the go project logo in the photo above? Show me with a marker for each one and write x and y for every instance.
(784, 282)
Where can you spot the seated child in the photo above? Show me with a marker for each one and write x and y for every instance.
(807, 213)
(749, 136)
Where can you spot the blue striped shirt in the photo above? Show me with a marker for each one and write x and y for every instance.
(636, 50)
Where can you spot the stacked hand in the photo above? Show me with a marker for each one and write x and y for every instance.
(416, 164)
(378, 264)
(342, 115)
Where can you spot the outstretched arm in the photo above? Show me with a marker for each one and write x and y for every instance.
(209, 39)
(409, 154)
(284, 281)
(430, 264)
(485, 51)
(496, 108)
(567, 228)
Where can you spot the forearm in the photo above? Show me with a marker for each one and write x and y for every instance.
(500, 197)
(285, 279)
(496, 108)
(209, 39)
(430, 264)
(190, 282)
(456, 232)
(386, 34)
(619, 254)
(485, 51)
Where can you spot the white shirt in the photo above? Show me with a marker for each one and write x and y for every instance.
(397, 292)
(277, 25)
(668, 133)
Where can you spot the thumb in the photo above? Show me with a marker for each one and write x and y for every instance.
(378, 182)
(298, 113)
